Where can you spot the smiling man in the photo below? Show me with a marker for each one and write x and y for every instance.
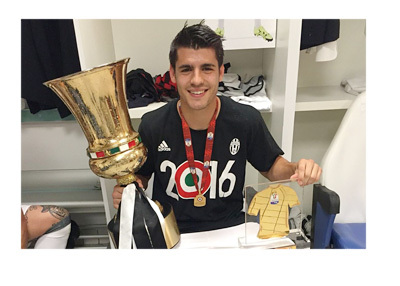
(197, 75)
(198, 144)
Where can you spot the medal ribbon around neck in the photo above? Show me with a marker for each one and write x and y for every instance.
(199, 200)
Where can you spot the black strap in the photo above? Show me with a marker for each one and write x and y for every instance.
(147, 230)
(140, 235)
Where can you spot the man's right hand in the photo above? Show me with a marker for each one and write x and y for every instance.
(117, 195)
(117, 192)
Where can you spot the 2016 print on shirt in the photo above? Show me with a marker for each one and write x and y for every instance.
(185, 185)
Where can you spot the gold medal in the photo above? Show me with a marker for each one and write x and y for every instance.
(199, 201)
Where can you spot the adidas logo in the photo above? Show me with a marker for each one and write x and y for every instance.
(163, 147)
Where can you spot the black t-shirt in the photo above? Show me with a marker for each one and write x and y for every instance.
(240, 135)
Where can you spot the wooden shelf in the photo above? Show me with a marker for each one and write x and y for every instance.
(78, 198)
(322, 98)
(308, 99)
(138, 112)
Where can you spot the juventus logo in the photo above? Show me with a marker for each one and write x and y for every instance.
(235, 146)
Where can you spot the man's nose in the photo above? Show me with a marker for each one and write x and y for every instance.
(197, 78)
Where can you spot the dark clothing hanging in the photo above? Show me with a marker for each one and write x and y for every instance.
(48, 51)
(318, 32)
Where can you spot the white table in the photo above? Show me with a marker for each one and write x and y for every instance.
(231, 237)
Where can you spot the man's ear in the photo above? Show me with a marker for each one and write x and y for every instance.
(221, 72)
(172, 73)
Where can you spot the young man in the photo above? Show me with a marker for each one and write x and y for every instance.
(205, 138)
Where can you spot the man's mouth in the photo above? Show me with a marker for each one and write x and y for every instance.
(197, 92)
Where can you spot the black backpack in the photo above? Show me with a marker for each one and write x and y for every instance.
(140, 88)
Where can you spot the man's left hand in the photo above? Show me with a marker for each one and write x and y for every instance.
(307, 172)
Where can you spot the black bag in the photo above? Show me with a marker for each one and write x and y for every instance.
(140, 89)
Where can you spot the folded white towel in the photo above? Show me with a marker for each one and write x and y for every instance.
(258, 100)
(355, 85)
(260, 104)
(231, 93)
(231, 80)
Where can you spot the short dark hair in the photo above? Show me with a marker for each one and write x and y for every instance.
(196, 37)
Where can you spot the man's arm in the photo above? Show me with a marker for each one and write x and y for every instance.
(305, 171)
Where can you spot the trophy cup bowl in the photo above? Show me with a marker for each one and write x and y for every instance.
(97, 99)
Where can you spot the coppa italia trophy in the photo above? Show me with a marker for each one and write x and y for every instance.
(97, 99)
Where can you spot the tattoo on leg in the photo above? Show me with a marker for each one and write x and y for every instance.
(55, 211)
(31, 208)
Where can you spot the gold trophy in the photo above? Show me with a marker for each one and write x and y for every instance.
(97, 99)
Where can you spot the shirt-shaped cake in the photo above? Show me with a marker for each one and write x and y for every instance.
(273, 206)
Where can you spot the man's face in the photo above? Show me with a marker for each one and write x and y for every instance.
(197, 75)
